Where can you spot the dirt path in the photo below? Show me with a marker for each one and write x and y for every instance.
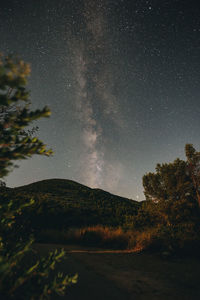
(92, 284)
(120, 275)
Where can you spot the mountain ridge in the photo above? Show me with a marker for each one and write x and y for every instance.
(30, 186)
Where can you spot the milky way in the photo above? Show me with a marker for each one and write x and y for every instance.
(95, 101)
(121, 78)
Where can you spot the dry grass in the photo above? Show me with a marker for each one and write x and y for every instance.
(102, 237)
(99, 236)
(114, 238)
(153, 239)
(148, 239)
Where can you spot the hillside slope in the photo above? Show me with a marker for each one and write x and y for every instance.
(61, 203)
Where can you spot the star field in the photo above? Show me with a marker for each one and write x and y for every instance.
(121, 78)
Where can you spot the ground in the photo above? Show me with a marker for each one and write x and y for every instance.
(129, 276)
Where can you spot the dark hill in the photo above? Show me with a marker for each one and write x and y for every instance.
(52, 185)
(61, 203)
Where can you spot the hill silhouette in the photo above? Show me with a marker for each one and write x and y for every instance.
(62, 203)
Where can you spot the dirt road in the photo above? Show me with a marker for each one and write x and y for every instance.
(130, 276)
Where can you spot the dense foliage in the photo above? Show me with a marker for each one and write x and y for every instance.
(172, 202)
(171, 181)
(22, 275)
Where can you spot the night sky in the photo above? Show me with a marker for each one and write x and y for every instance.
(121, 78)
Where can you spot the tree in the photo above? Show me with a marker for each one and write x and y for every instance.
(171, 210)
(22, 275)
(172, 192)
(171, 181)
(14, 145)
(193, 163)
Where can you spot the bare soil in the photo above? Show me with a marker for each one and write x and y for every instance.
(113, 275)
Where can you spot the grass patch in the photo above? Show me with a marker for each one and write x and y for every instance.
(99, 236)
(96, 236)
(156, 239)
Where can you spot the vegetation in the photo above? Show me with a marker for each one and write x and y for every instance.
(94, 236)
(68, 212)
(64, 211)
(172, 206)
(171, 181)
(22, 274)
(193, 168)
(62, 204)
